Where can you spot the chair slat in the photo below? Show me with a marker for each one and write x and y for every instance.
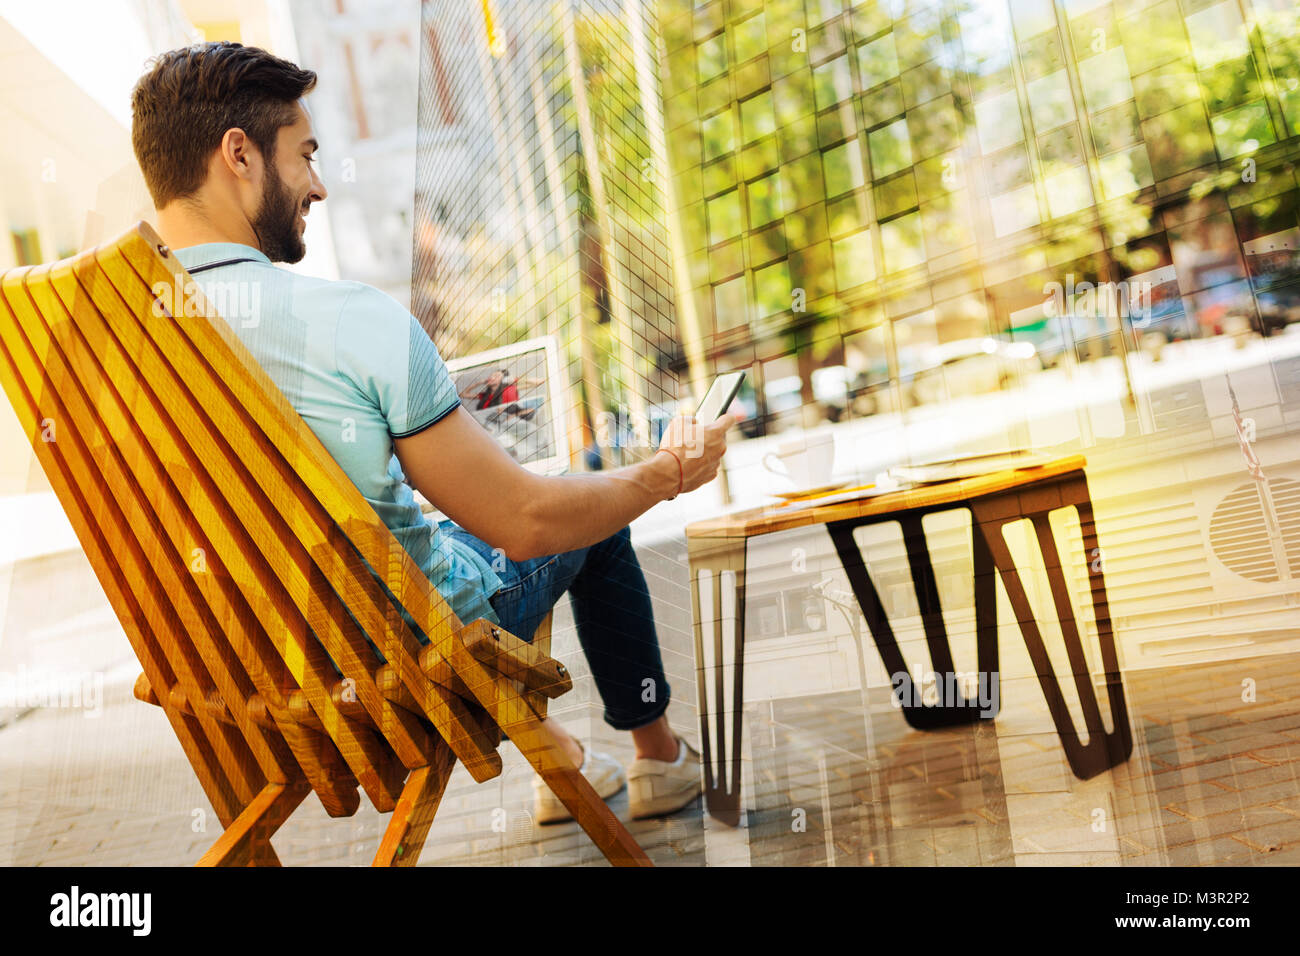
(308, 461)
(89, 397)
(66, 462)
(217, 707)
(178, 518)
(232, 548)
(478, 723)
(206, 666)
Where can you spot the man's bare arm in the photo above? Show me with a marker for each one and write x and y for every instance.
(459, 467)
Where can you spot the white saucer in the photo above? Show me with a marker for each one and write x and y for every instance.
(810, 492)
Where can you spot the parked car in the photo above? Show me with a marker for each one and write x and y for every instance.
(1278, 308)
(971, 367)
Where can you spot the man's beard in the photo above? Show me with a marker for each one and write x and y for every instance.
(276, 221)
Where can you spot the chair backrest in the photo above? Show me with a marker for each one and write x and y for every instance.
(238, 556)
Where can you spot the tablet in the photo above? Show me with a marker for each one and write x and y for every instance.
(719, 397)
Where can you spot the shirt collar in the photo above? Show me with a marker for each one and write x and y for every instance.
(211, 253)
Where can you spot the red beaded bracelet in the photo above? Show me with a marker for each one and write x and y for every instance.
(680, 475)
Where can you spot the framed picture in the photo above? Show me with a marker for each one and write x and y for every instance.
(516, 392)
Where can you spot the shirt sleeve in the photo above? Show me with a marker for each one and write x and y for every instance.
(387, 354)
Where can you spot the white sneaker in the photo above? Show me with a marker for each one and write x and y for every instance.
(659, 787)
(603, 772)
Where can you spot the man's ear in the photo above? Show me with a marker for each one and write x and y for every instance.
(239, 154)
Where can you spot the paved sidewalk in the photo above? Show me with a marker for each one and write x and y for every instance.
(116, 790)
(1214, 779)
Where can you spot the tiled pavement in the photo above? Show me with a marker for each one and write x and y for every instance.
(116, 789)
(1214, 780)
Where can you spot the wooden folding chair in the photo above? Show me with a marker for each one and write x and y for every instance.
(241, 561)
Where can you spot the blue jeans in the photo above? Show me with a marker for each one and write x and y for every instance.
(611, 608)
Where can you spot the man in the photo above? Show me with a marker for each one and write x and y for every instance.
(226, 146)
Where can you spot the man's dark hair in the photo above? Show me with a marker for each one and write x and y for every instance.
(183, 106)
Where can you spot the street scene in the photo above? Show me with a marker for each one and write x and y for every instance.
(1001, 567)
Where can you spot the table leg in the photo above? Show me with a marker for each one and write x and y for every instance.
(986, 620)
(1076, 493)
(926, 587)
(1103, 750)
(716, 658)
(947, 713)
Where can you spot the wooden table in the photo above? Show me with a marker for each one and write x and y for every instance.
(718, 545)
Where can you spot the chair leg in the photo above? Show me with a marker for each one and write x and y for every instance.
(404, 838)
(541, 748)
(264, 855)
(543, 751)
(248, 838)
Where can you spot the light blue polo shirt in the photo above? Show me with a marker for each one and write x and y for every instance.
(361, 371)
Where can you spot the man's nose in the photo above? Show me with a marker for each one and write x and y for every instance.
(318, 190)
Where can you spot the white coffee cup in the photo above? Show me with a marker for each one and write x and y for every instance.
(805, 460)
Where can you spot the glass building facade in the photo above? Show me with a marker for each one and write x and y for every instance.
(961, 227)
(537, 209)
(880, 199)
(931, 228)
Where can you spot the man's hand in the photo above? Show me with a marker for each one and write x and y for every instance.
(699, 447)
(459, 467)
